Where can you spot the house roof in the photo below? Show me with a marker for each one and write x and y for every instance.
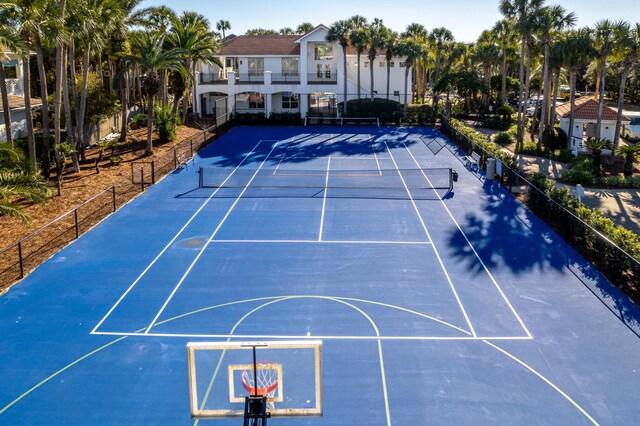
(17, 102)
(586, 108)
(261, 45)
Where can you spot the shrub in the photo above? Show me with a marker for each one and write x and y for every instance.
(469, 140)
(165, 122)
(503, 138)
(496, 123)
(369, 107)
(420, 114)
(554, 139)
(621, 181)
(505, 112)
(284, 118)
(141, 120)
(581, 171)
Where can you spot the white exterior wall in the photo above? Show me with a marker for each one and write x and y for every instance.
(608, 130)
(306, 66)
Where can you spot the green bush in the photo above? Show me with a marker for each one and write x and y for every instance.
(554, 139)
(420, 114)
(469, 140)
(620, 181)
(496, 123)
(560, 211)
(503, 138)
(249, 119)
(165, 122)
(369, 107)
(141, 120)
(285, 118)
(581, 171)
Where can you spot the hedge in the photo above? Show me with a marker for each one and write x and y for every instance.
(472, 141)
(605, 248)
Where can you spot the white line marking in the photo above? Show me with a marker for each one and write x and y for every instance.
(374, 153)
(172, 241)
(324, 199)
(435, 250)
(547, 381)
(315, 336)
(495, 283)
(150, 326)
(321, 242)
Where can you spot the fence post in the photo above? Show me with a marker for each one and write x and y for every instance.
(133, 179)
(191, 144)
(20, 259)
(153, 172)
(113, 192)
(75, 218)
(175, 159)
(142, 178)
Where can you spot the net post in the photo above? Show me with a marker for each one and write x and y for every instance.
(75, 219)
(153, 172)
(200, 178)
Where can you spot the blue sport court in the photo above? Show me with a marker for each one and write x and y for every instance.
(434, 305)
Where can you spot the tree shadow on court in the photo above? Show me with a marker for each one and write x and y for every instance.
(505, 234)
(303, 148)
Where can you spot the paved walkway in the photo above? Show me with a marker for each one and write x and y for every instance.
(620, 205)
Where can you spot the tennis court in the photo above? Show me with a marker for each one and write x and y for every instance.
(438, 298)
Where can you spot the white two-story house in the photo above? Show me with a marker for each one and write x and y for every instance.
(291, 73)
(14, 77)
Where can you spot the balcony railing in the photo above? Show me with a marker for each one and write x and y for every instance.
(285, 78)
(206, 78)
(14, 86)
(323, 77)
(250, 78)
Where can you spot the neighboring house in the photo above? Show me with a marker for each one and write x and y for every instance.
(13, 73)
(585, 121)
(18, 116)
(290, 73)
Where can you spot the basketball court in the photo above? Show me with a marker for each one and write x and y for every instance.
(379, 281)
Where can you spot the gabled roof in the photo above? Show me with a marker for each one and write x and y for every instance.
(260, 45)
(17, 102)
(317, 28)
(586, 108)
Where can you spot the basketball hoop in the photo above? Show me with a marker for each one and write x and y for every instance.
(266, 378)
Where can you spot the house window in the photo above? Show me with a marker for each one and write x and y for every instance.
(290, 100)
(382, 64)
(290, 66)
(256, 101)
(403, 64)
(366, 64)
(323, 71)
(392, 64)
(324, 52)
(256, 66)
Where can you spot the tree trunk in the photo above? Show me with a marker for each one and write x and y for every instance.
(547, 93)
(344, 70)
(527, 86)
(67, 110)
(124, 106)
(623, 86)
(149, 150)
(372, 58)
(520, 135)
(600, 100)
(6, 110)
(597, 89)
(358, 66)
(503, 71)
(45, 110)
(82, 136)
(556, 88)
(406, 83)
(57, 109)
(31, 141)
(572, 99)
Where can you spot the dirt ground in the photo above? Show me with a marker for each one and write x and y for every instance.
(78, 187)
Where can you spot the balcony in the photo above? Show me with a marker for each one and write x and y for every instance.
(14, 86)
(285, 78)
(212, 79)
(250, 78)
(322, 78)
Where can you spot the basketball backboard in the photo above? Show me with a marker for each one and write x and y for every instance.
(288, 373)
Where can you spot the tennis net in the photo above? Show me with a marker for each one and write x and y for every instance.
(406, 179)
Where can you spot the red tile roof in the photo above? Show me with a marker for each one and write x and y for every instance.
(261, 45)
(586, 108)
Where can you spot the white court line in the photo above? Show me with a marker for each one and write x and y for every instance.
(166, 303)
(324, 198)
(435, 250)
(312, 336)
(495, 283)
(172, 241)
(374, 153)
(418, 243)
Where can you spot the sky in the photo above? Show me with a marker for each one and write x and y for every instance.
(465, 18)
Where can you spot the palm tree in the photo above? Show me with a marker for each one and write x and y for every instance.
(358, 39)
(577, 51)
(629, 50)
(486, 52)
(521, 12)
(191, 33)
(548, 21)
(503, 33)
(12, 41)
(149, 54)
(286, 31)
(606, 37)
(390, 45)
(596, 146)
(630, 153)
(439, 37)
(376, 33)
(223, 25)
(339, 33)
(304, 28)
(420, 34)
(411, 50)
(17, 184)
